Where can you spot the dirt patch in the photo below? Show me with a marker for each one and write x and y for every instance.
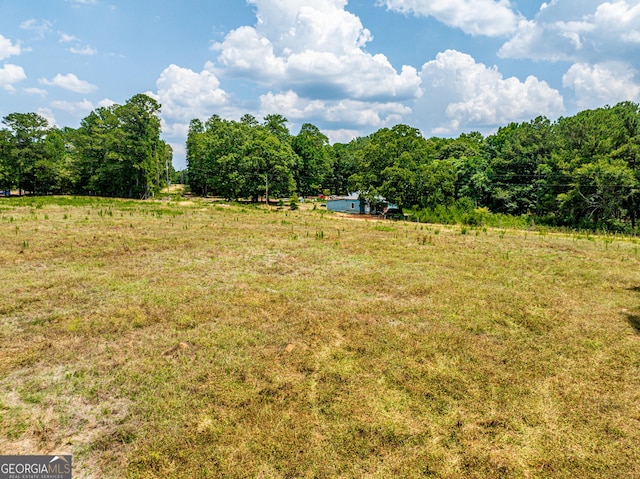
(45, 415)
(360, 217)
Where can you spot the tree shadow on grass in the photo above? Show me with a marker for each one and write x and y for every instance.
(634, 318)
(634, 321)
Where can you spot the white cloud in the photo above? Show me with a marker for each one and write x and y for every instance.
(86, 50)
(578, 31)
(76, 48)
(107, 102)
(65, 38)
(297, 25)
(341, 135)
(70, 82)
(39, 27)
(179, 150)
(76, 108)
(245, 53)
(619, 17)
(185, 94)
(174, 130)
(313, 46)
(7, 48)
(470, 95)
(10, 75)
(476, 17)
(367, 115)
(36, 91)
(531, 42)
(597, 85)
(48, 115)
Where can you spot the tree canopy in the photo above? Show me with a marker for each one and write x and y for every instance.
(116, 151)
(582, 170)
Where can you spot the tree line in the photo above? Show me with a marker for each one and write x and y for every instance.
(116, 151)
(580, 171)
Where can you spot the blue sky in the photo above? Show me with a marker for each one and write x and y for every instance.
(349, 67)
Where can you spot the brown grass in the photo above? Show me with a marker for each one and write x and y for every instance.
(162, 340)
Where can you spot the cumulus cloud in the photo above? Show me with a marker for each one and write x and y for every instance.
(70, 82)
(341, 135)
(578, 31)
(313, 46)
(10, 75)
(48, 115)
(366, 115)
(174, 130)
(470, 95)
(185, 94)
(7, 48)
(79, 109)
(179, 149)
(107, 102)
(76, 108)
(475, 17)
(36, 91)
(597, 85)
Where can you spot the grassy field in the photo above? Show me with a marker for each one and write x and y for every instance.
(201, 340)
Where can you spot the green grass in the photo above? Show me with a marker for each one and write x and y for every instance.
(193, 339)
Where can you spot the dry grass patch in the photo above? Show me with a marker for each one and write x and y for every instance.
(198, 340)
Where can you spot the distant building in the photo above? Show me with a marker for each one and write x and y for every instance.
(355, 204)
(347, 204)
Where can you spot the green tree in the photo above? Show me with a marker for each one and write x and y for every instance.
(314, 168)
(399, 186)
(217, 148)
(436, 183)
(143, 156)
(277, 125)
(169, 170)
(609, 133)
(27, 132)
(468, 154)
(249, 120)
(600, 193)
(343, 165)
(98, 149)
(401, 146)
(7, 177)
(267, 165)
(196, 150)
(517, 153)
(51, 171)
(118, 151)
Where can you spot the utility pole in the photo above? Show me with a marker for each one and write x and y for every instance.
(166, 165)
(266, 180)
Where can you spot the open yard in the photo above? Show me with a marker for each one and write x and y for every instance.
(201, 340)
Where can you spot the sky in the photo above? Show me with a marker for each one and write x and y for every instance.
(350, 68)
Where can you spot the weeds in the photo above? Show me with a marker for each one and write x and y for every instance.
(235, 345)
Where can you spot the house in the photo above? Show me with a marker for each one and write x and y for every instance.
(354, 204)
(347, 204)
